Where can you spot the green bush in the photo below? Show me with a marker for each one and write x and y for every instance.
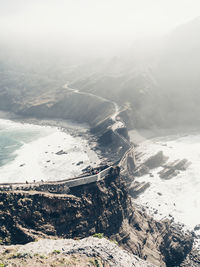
(56, 251)
(22, 255)
(99, 235)
(96, 263)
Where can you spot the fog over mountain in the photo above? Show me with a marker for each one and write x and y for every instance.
(159, 77)
(132, 52)
(99, 132)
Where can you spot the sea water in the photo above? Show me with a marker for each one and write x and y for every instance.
(14, 135)
(179, 196)
(30, 152)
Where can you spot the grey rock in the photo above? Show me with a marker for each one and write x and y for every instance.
(91, 247)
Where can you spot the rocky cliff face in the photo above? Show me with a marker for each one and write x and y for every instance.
(102, 207)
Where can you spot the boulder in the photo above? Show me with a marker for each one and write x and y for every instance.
(168, 173)
(197, 227)
(172, 169)
(61, 152)
(141, 170)
(79, 163)
(138, 188)
(155, 161)
(176, 246)
(178, 164)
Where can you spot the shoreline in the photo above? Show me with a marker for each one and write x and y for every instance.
(73, 128)
(78, 136)
(176, 199)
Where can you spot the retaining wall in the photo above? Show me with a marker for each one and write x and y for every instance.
(58, 186)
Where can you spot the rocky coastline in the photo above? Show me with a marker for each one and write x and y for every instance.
(167, 169)
(100, 207)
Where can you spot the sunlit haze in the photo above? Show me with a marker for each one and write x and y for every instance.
(100, 133)
(91, 24)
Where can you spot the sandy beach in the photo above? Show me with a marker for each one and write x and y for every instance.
(55, 154)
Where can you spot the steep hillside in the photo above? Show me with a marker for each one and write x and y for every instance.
(178, 74)
(159, 80)
(102, 207)
(38, 94)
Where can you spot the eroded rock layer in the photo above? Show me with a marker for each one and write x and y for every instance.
(102, 207)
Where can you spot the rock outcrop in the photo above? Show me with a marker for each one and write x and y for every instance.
(192, 259)
(172, 169)
(155, 161)
(152, 162)
(102, 207)
(175, 247)
(86, 252)
(138, 188)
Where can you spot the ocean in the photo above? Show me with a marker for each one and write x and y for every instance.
(14, 135)
(180, 196)
(30, 152)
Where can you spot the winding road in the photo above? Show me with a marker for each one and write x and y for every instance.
(76, 181)
(117, 123)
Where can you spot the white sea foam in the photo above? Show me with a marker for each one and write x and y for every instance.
(37, 159)
(180, 196)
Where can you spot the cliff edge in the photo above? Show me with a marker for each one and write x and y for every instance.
(101, 207)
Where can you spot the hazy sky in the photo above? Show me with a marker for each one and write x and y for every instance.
(100, 23)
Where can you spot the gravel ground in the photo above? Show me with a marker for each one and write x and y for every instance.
(107, 252)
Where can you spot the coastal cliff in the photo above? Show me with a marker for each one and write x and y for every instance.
(102, 207)
(62, 104)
